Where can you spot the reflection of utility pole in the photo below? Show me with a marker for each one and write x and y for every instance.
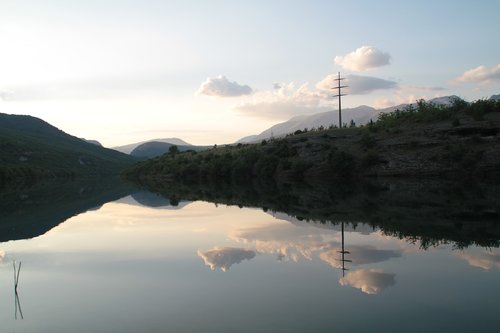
(16, 295)
(339, 95)
(343, 252)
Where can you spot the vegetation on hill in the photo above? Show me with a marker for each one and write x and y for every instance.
(32, 149)
(152, 149)
(426, 139)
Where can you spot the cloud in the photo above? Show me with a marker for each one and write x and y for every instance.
(485, 259)
(357, 84)
(5, 95)
(408, 94)
(363, 59)
(225, 257)
(360, 255)
(286, 101)
(369, 281)
(221, 87)
(480, 74)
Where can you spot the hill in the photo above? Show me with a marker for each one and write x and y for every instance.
(456, 140)
(360, 115)
(127, 149)
(32, 148)
(152, 149)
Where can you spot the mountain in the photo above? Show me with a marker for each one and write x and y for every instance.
(127, 149)
(156, 148)
(95, 142)
(32, 148)
(360, 115)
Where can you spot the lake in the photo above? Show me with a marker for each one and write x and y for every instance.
(144, 263)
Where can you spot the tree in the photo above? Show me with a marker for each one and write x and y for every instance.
(172, 150)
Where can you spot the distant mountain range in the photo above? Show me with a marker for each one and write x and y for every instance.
(156, 147)
(360, 115)
(127, 149)
(32, 148)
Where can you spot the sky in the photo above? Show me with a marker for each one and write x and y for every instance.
(212, 72)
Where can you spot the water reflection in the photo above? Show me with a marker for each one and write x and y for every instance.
(486, 259)
(30, 212)
(359, 255)
(370, 281)
(428, 211)
(153, 200)
(131, 267)
(291, 242)
(287, 241)
(17, 302)
(225, 257)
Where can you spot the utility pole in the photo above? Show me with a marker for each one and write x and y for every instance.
(339, 95)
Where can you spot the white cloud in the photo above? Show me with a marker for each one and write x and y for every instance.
(357, 84)
(5, 94)
(225, 257)
(285, 101)
(480, 74)
(409, 94)
(363, 59)
(221, 87)
(369, 281)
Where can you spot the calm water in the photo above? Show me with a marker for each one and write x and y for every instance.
(140, 265)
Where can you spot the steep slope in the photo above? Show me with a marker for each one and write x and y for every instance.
(127, 149)
(32, 148)
(360, 115)
(155, 148)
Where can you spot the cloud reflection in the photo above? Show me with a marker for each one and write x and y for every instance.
(285, 240)
(369, 281)
(225, 257)
(360, 255)
(290, 242)
(484, 259)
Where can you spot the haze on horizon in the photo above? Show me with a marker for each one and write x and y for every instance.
(215, 71)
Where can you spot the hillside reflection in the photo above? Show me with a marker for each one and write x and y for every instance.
(29, 212)
(431, 212)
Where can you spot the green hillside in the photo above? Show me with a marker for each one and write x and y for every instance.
(460, 139)
(30, 149)
(156, 148)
